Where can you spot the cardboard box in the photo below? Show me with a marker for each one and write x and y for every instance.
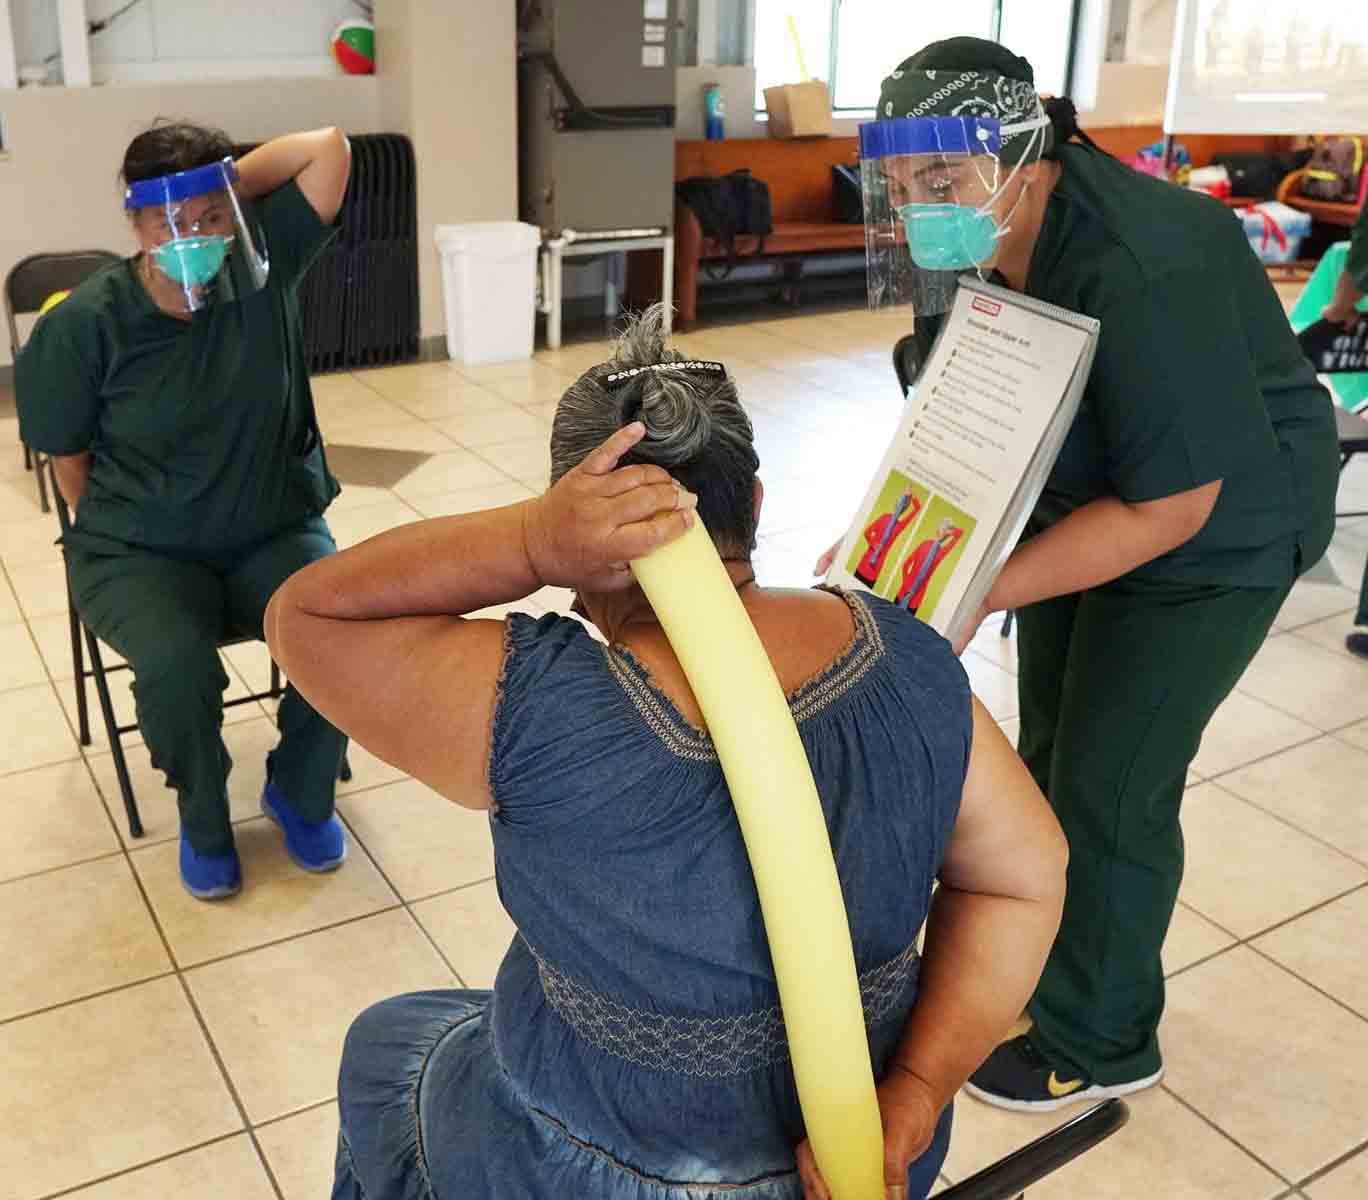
(799, 109)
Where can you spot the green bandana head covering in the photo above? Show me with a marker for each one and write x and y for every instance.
(969, 77)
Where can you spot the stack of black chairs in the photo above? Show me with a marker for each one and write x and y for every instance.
(360, 298)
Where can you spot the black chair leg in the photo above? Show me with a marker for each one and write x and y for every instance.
(38, 470)
(135, 825)
(276, 689)
(1007, 622)
(78, 670)
(28, 457)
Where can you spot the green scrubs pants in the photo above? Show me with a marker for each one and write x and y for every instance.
(1116, 686)
(166, 615)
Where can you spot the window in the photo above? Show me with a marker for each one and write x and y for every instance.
(854, 44)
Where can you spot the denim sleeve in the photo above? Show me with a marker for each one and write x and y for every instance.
(560, 744)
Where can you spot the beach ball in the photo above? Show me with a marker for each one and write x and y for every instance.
(353, 46)
(53, 301)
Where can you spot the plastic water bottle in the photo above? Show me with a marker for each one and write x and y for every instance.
(714, 113)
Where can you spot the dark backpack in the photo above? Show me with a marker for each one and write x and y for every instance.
(1334, 170)
(1253, 175)
(729, 207)
(847, 198)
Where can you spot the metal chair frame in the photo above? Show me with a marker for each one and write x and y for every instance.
(1008, 1178)
(29, 283)
(1352, 431)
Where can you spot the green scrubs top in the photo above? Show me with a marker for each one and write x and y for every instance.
(1197, 376)
(1357, 262)
(202, 432)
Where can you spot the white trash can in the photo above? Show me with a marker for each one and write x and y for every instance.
(489, 289)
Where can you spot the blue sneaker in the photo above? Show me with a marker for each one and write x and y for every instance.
(314, 845)
(209, 876)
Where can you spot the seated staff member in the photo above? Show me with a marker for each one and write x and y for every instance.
(1196, 483)
(1343, 310)
(172, 392)
(632, 1047)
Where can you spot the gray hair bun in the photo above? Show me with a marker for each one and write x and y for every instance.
(689, 413)
(671, 404)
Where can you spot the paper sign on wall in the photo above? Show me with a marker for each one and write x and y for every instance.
(657, 10)
(653, 56)
(654, 33)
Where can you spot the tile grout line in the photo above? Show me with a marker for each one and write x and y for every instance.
(232, 1087)
(75, 862)
(1315, 987)
(404, 904)
(1234, 1141)
(295, 1112)
(1334, 1165)
(1283, 820)
(1251, 938)
(151, 1162)
(1317, 736)
(101, 994)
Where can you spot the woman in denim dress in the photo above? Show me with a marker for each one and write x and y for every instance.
(632, 1047)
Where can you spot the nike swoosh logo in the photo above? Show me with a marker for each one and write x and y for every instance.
(1060, 1090)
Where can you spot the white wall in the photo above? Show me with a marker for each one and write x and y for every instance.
(58, 186)
(192, 39)
(1128, 94)
(448, 79)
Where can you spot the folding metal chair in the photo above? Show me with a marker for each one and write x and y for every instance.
(31, 281)
(1008, 1178)
(1353, 439)
(100, 673)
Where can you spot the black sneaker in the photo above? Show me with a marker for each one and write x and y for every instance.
(1018, 1076)
(1357, 644)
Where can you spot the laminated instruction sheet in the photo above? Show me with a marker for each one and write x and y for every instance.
(983, 426)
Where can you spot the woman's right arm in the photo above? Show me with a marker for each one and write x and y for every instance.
(991, 926)
(375, 637)
(992, 923)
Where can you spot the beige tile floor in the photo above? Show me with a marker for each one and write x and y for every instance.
(151, 1046)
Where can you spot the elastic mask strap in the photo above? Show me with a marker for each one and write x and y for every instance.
(1037, 125)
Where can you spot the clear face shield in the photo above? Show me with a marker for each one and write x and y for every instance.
(933, 188)
(201, 247)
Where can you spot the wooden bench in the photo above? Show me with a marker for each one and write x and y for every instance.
(798, 173)
(1330, 212)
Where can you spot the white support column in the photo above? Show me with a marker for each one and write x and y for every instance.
(9, 70)
(71, 26)
(707, 33)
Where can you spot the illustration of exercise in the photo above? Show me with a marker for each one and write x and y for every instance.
(921, 564)
(901, 502)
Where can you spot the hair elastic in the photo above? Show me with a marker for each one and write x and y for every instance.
(620, 379)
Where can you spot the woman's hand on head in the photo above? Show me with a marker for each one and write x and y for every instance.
(585, 530)
(909, 1114)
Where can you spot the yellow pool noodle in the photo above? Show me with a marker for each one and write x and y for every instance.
(786, 839)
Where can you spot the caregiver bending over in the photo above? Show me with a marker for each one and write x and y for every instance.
(632, 1045)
